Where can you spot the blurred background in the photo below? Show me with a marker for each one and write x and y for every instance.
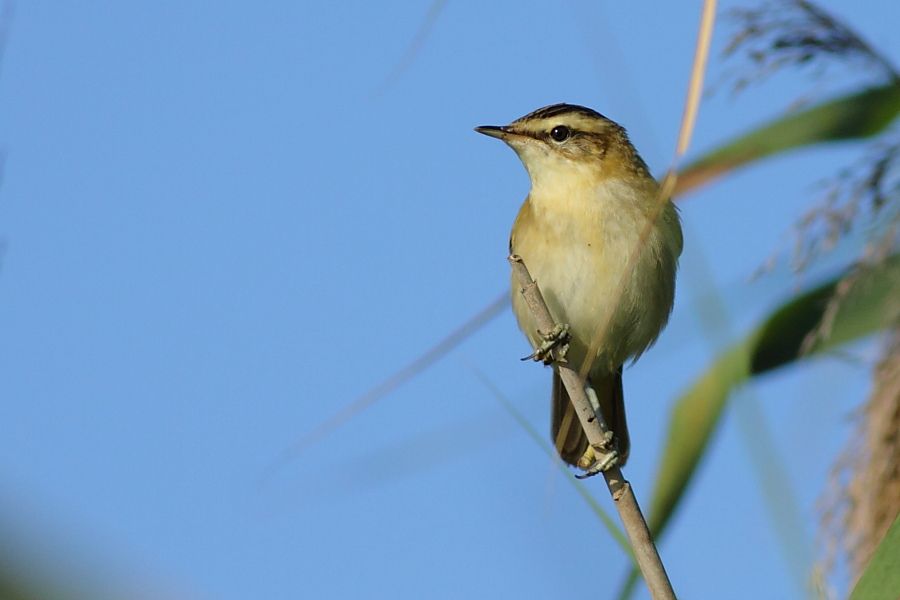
(223, 224)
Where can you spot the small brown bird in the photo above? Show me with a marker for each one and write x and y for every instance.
(591, 198)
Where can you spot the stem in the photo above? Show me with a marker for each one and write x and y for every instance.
(595, 428)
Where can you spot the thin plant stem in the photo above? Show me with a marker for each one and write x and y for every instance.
(597, 433)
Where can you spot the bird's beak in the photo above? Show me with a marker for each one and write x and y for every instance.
(494, 131)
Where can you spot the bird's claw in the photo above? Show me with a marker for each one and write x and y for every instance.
(603, 456)
(554, 347)
(604, 462)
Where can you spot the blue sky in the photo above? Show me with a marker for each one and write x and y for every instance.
(220, 227)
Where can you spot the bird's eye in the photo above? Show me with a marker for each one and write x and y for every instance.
(560, 133)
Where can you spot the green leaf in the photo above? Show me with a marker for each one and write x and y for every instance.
(691, 424)
(858, 115)
(881, 579)
(866, 308)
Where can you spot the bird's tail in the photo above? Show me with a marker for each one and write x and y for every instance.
(566, 431)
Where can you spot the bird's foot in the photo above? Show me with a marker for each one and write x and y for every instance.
(596, 461)
(554, 347)
(604, 456)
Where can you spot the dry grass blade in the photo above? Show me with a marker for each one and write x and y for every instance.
(688, 121)
(391, 383)
(875, 489)
(695, 89)
(863, 496)
(415, 46)
(797, 33)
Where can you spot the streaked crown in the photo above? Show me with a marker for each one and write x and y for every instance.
(571, 134)
(578, 119)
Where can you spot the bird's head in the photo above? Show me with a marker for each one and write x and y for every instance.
(566, 142)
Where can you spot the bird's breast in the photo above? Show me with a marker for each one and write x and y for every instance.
(577, 249)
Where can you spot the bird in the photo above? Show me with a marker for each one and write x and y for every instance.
(593, 203)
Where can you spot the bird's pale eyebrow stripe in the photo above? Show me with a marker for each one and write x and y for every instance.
(561, 109)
